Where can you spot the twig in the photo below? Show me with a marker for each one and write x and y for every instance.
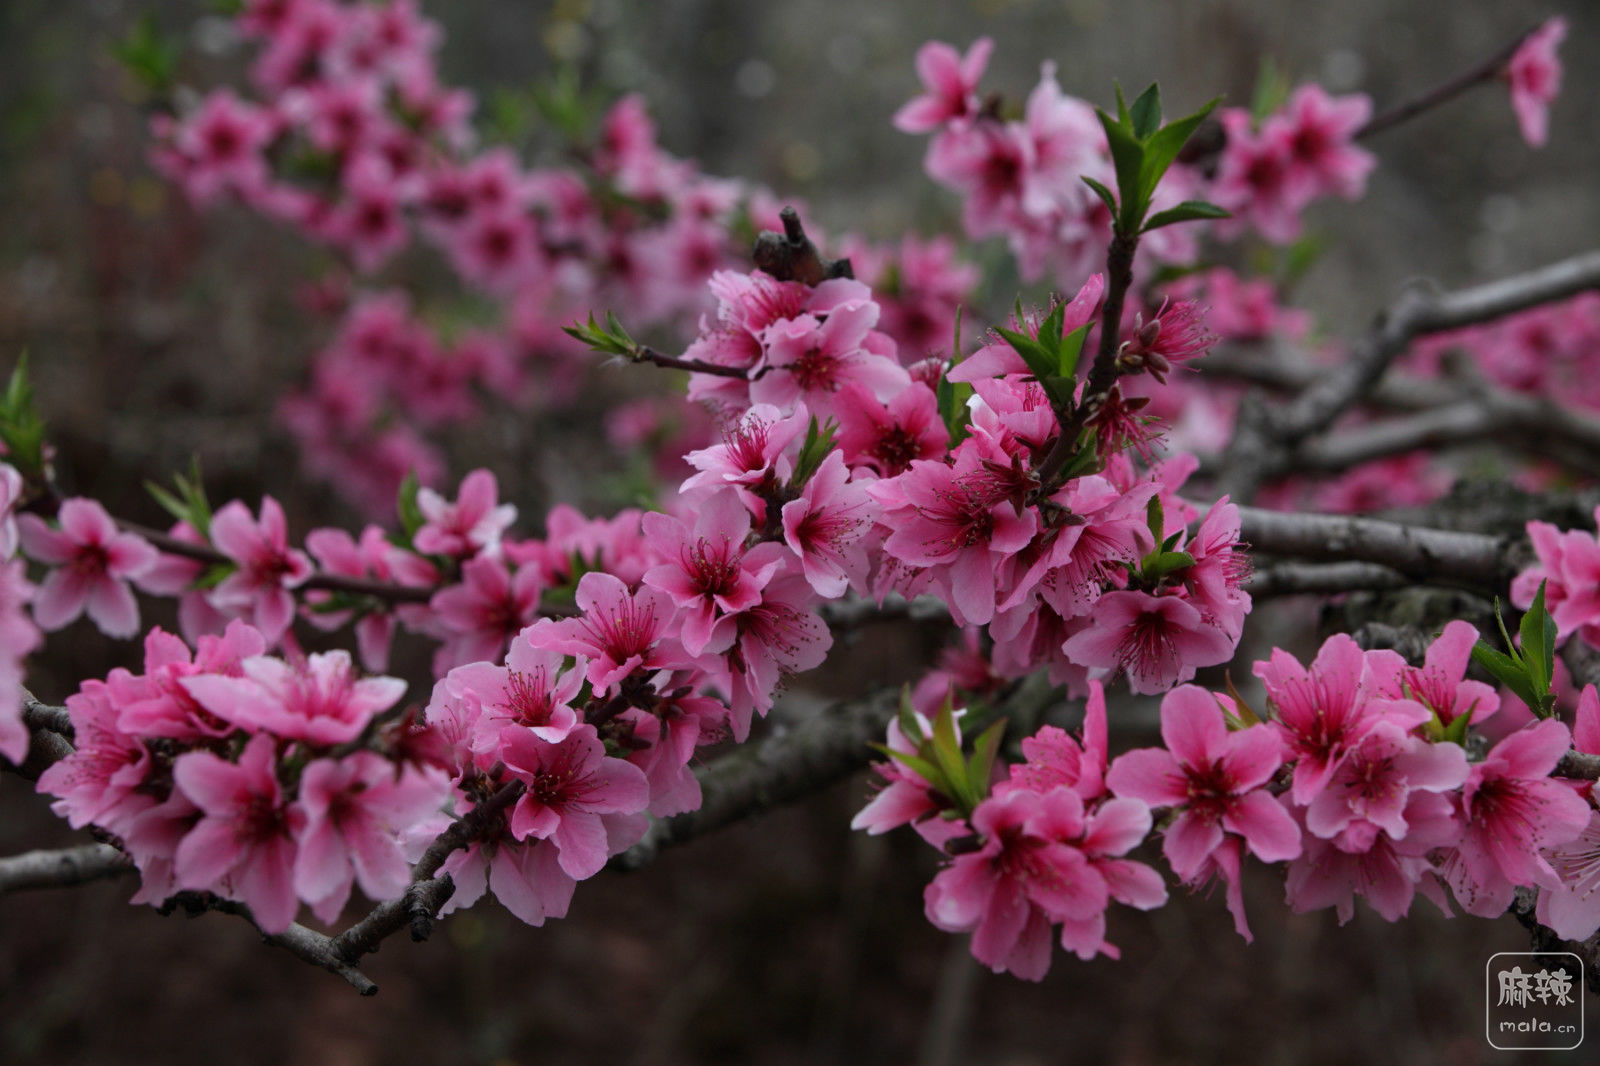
(62, 868)
(1104, 373)
(426, 893)
(1486, 71)
(305, 944)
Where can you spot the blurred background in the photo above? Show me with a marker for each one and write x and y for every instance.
(157, 333)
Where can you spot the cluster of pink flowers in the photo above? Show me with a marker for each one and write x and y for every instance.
(1568, 568)
(221, 769)
(351, 138)
(1021, 179)
(1357, 780)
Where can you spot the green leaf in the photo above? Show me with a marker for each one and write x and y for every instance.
(148, 56)
(1163, 147)
(947, 753)
(1188, 211)
(21, 429)
(1128, 157)
(1069, 349)
(910, 724)
(1538, 632)
(818, 443)
(1165, 563)
(923, 768)
(1105, 194)
(407, 508)
(984, 749)
(1146, 112)
(1271, 90)
(1041, 361)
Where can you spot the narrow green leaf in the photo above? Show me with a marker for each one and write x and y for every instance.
(1040, 360)
(1538, 631)
(1104, 193)
(981, 766)
(1163, 147)
(1069, 350)
(1127, 156)
(1188, 211)
(1146, 112)
(947, 750)
(169, 503)
(923, 768)
(407, 508)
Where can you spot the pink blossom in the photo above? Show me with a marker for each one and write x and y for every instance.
(157, 704)
(889, 436)
(1256, 176)
(1027, 875)
(1440, 683)
(1572, 909)
(259, 591)
(352, 812)
(480, 615)
(707, 572)
(904, 797)
(753, 458)
(1052, 758)
(1323, 712)
(18, 637)
(97, 783)
(1535, 76)
(1158, 640)
(1388, 873)
(93, 565)
(1321, 142)
(618, 631)
(471, 524)
(1511, 811)
(1216, 782)
(243, 847)
(318, 700)
(1371, 786)
(824, 527)
(781, 635)
(810, 360)
(944, 516)
(950, 83)
(531, 691)
(570, 785)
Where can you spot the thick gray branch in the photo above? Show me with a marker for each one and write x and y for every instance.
(1265, 438)
(1434, 554)
(1289, 579)
(61, 868)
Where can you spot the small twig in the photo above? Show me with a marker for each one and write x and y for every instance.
(1103, 373)
(426, 893)
(305, 944)
(36, 715)
(645, 354)
(1486, 71)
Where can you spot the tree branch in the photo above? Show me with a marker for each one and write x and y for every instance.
(62, 868)
(1474, 559)
(1265, 438)
(1289, 579)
